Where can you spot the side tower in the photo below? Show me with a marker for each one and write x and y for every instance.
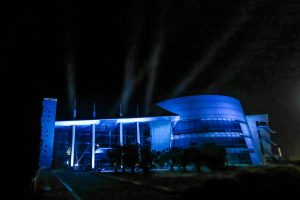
(47, 132)
(261, 133)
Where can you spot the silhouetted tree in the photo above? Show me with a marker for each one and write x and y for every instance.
(173, 157)
(130, 156)
(160, 158)
(209, 154)
(114, 156)
(185, 159)
(147, 157)
(196, 157)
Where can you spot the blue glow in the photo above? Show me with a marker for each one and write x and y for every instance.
(101, 149)
(199, 119)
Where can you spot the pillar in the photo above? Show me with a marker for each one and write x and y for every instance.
(138, 135)
(121, 133)
(93, 146)
(138, 140)
(73, 146)
(109, 138)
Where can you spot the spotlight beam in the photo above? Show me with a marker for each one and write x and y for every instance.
(200, 66)
(130, 63)
(69, 57)
(130, 82)
(233, 70)
(152, 69)
(128, 85)
(155, 56)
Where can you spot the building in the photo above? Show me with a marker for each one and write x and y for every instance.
(197, 120)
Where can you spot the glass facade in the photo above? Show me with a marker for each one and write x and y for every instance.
(106, 137)
(203, 126)
(222, 132)
(62, 147)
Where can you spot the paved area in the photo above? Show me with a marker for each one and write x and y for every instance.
(62, 184)
(48, 186)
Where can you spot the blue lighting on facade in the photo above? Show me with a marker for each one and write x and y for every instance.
(197, 120)
(47, 132)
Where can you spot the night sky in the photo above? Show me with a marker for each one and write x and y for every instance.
(141, 52)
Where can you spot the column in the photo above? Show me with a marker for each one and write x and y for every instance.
(138, 135)
(138, 140)
(121, 143)
(172, 125)
(109, 138)
(121, 133)
(73, 145)
(93, 146)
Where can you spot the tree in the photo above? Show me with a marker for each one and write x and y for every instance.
(196, 157)
(130, 156)
(160, 158)
(115, 155)
(185, 159)
(173, 156)
(147, 157)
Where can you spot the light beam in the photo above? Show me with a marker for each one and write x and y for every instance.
(152, 72)
(212, 52)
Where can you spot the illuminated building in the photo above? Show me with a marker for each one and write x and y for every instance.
(197, 120)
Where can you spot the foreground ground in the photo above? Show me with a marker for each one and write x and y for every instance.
(263, 181)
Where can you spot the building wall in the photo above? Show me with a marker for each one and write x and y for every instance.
(161, 134)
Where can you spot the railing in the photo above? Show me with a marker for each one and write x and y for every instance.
(268, 140)
(267, 128)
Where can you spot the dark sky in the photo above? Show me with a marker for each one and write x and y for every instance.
(142, 52)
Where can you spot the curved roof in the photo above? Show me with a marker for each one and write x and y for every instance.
(205, 106)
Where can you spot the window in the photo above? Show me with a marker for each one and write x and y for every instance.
(201, 126)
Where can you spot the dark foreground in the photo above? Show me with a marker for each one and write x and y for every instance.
(250, 182)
